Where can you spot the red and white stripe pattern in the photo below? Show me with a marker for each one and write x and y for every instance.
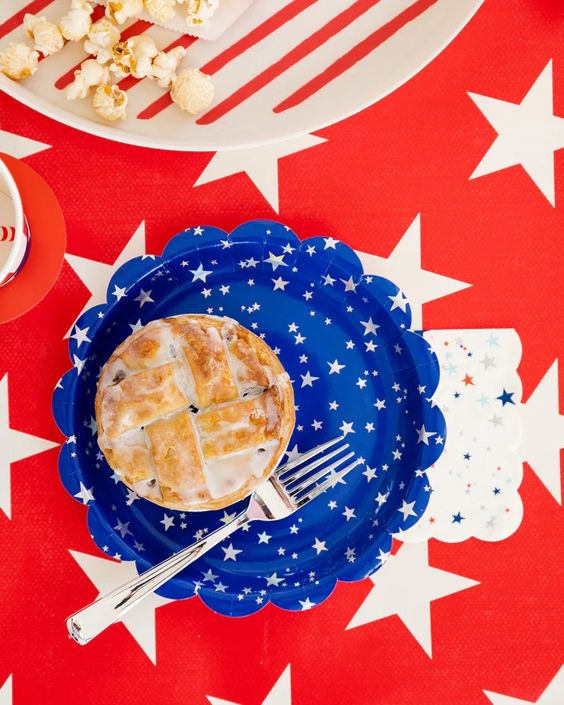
(7, 233)
(286, 66)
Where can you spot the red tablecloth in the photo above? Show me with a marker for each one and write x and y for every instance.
(411, 153)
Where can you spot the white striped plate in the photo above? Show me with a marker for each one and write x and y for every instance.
(285, 68)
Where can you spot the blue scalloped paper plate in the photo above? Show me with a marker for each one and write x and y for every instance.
(357, 369)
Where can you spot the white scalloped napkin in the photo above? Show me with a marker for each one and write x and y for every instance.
(474, 486)
(227, 13)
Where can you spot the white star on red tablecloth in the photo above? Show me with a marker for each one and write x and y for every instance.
(14, 446)
(280, 694)
(403, 267)
(18, 146)
(259, 163)
(406, 585)
(108, 575)
(552, 695)
(95, 275)
(543, 432)
(528, 133)
(6, 692)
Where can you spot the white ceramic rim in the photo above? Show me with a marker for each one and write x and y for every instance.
(19, 243)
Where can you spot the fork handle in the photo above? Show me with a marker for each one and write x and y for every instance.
(87, 623)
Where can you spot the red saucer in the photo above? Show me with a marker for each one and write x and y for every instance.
(48, 240)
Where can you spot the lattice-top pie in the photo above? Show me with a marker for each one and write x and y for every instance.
(194, 411)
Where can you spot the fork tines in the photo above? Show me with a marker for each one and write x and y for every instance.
(301, 482)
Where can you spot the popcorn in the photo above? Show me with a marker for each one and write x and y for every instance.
(76, 24)
(124, 9)
(192, 91)
(121, 63)
(164, 66)
(90, 74)
(134, 57)
(161, 10)
(18, 61)
(110, 102)
(139, 56)
(101, 38)
(141, 51)
(46, 35)
(200, 11)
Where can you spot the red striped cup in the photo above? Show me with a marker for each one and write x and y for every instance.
(14, 229)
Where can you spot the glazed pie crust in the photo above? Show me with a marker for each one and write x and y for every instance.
(194, 411)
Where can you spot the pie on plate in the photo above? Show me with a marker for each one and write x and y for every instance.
(194, 411)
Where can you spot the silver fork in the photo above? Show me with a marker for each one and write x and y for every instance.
(289, 488)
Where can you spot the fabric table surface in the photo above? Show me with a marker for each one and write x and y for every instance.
(399, 172)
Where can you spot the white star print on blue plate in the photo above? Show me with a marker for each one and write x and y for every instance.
(357, 369)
